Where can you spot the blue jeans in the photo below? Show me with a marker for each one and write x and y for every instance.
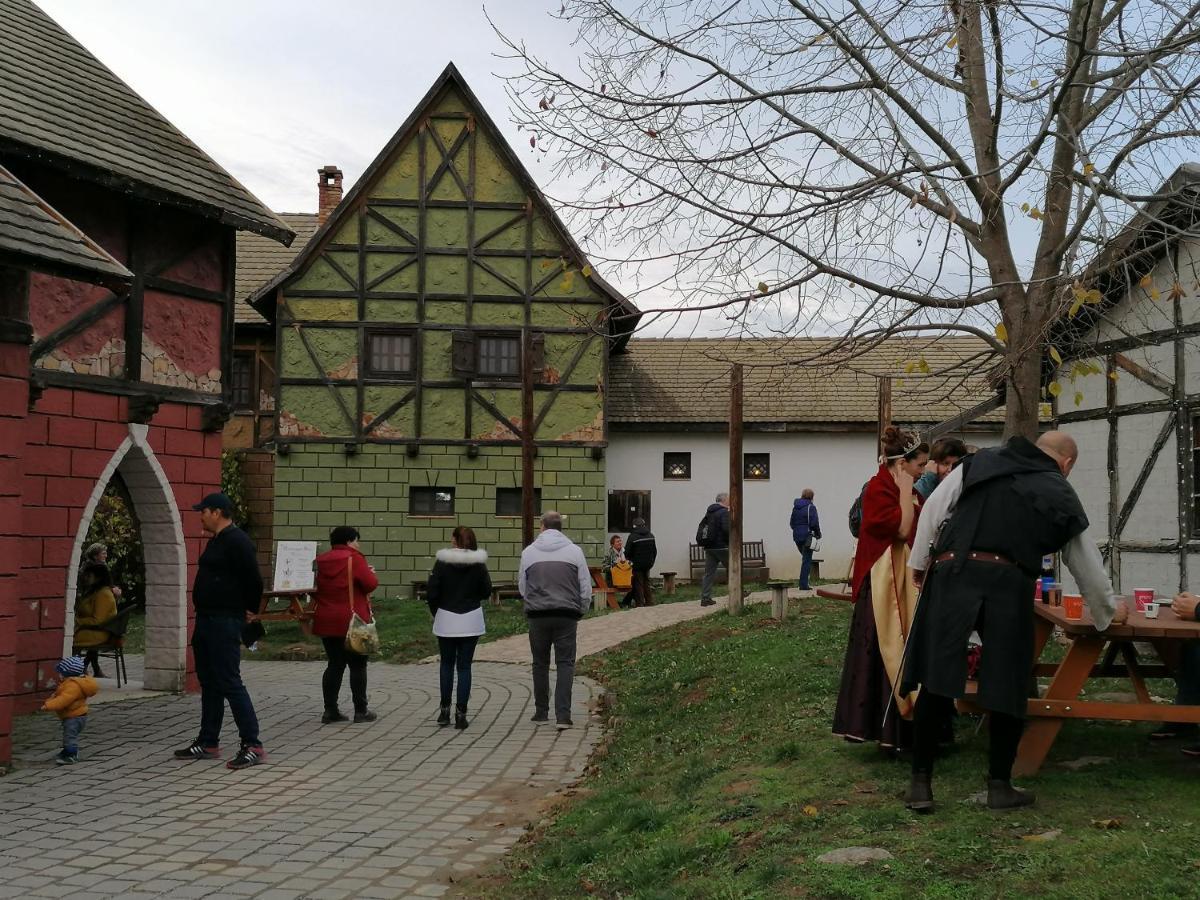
(806, 555)
(457, 654)
(217, 645)
(72, 728)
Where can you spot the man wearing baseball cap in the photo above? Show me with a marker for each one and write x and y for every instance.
(226, 592)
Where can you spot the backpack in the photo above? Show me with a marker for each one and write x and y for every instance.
(855, 517)
(705, 532)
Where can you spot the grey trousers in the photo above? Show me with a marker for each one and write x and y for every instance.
(557, 632)
(713, 559)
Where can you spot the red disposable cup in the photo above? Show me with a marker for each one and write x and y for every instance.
(1142, 596)
(1073, 606)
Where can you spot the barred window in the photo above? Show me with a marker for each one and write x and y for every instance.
(756, 466)
(389, 353)
(508, 501)
(499, 356)
(677, 466)
(431, 501)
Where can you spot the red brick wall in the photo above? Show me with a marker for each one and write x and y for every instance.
(14, 366)
(71, 436)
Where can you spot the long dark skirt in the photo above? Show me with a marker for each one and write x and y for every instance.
(866, 690)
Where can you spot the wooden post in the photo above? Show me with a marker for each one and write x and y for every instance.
(735, 489)
(527, 446)
(884, 411)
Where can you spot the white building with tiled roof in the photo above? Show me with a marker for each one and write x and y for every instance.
(810, 421)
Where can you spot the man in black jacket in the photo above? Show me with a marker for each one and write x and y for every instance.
(641, 551)
(226, 593)
(716, 550)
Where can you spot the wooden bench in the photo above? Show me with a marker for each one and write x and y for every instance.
(419, 589)
(287, 606)
(602, 594)
(754, 563)
(502, 592)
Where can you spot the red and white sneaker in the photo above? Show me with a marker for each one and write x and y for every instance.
(196, 750)
(249, 755)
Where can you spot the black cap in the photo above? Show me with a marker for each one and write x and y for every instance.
(215, 501)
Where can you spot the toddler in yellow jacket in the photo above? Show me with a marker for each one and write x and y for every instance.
(69, 703)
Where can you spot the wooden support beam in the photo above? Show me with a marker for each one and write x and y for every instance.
(736, 599)
(527, 431)
(964, 418)
(1135, 492)
(1142, 374)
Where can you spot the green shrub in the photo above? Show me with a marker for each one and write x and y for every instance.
(233, 485)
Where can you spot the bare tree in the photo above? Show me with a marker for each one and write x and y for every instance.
(869, 167)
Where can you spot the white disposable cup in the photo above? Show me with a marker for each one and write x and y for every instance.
(1151, 610)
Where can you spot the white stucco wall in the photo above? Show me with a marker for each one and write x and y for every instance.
(1154, 519)
(834, 465)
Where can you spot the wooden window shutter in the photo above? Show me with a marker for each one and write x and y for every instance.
(463, 353)
(538, 347)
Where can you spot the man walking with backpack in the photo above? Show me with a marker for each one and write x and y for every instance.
(713, 536)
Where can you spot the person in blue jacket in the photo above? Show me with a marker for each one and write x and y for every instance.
(806, 527)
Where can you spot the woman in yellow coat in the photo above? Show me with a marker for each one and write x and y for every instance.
(98, 605)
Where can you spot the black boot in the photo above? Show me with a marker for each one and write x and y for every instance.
(332, 715)
(364, 715)
(919, 797)
(1002, 795)
(444, 716)
(460, 717)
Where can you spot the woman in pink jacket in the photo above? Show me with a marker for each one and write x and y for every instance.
(343, 572)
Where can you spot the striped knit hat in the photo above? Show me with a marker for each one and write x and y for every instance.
(70, 666)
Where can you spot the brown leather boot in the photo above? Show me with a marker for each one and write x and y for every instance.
(1002, 795)
(919, 796)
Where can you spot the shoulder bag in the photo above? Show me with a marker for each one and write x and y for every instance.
(361, 636)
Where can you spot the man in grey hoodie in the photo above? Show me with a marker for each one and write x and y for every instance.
(557, 588)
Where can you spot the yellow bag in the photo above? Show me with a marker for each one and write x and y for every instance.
(622, 574)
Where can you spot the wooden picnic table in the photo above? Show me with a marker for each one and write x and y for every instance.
(288, 606)
(1098, 654)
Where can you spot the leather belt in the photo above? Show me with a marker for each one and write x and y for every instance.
(978, 556)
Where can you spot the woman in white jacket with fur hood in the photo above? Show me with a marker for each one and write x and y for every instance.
(458, 585)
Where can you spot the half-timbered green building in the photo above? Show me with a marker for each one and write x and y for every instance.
(403, 329)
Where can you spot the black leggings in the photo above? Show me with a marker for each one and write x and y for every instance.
(930, 718)
(331, 682)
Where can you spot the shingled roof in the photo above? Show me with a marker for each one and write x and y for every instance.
(259, 260)
(60, 104)
(35, 235)
(685, 382)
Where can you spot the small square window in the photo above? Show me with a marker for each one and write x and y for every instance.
(508, 501)
(756, 466)
(431, 501)
(389, 353)
(677, 466)
(241, 381)
(499, 356)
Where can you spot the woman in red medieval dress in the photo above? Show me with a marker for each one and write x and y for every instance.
(884, 599)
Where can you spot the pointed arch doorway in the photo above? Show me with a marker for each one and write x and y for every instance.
(164, 552)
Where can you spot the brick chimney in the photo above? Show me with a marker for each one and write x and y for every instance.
(329, 191)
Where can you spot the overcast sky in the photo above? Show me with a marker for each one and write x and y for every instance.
(274, 89)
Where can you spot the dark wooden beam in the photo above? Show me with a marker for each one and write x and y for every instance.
(84, 320)
(135, 307)
(1143, 374)
(1127, 409)
(519, 433)
(389, 412)
(964, 418)
(563, 378)
(528, 430)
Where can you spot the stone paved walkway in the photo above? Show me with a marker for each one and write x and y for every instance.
(600, 633)
(397, 808)
(392, 809)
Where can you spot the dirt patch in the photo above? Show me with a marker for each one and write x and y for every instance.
(698, 692)
(738, 788)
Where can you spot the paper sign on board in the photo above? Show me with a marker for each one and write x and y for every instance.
(294, 565)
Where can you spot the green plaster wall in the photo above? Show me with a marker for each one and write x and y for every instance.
(318, 488)
(434, 291)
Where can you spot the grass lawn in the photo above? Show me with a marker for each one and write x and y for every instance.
(404, 629)
(720, 779)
